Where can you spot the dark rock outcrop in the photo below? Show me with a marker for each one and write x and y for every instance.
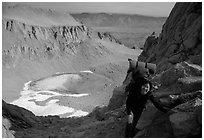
(6, 132)
(179, 89)
(182, 121)
(180, 39)
(109, 36)
(181, 72)
(19, 117)
(186, 123)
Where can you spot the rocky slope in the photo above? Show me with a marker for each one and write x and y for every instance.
(40, 46)
(38, 41)
(179, 89)
(182, 120)
(180, 39)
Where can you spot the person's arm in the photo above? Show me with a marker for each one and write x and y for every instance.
(157, 103)
(127, 88)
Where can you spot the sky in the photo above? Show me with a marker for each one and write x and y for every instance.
(157, 9)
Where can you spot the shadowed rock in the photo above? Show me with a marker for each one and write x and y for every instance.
(180, 39)
(18, 116)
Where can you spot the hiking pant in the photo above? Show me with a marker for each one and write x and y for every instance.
(133, 115)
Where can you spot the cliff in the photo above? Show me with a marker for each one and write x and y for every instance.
(36, 41)
(180, 39)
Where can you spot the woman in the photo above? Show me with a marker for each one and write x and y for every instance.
(139, 92)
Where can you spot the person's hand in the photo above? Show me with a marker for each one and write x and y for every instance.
(130, 118)
(124, 110)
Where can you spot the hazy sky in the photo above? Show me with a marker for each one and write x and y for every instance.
(143, 8)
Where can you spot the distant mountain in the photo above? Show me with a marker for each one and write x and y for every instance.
(118, 20)
(130, 30)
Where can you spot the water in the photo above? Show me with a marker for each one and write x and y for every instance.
(44, 93)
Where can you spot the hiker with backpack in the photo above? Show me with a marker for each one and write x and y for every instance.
(139, 91)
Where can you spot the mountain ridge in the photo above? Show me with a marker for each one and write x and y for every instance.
(130, 30)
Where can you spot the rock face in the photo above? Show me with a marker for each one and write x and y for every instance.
(184, 75)
(6, 133)
(179, 89)
(186, 124)
(16, 118)
(38, 41)
(108, 36)
(34, 34)
(180, 39)
(25, 37)
(19, 117)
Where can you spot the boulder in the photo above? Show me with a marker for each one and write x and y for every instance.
(180, 71)
(189, 84)
(6, 132)
(172, 75)
(186, 122)
(184, 125)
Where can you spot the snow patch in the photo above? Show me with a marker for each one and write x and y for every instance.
(51, 107)
(198, 102)
(78, 95)
(26, 87)
(79, 113)
(29, 96)
(87, 71)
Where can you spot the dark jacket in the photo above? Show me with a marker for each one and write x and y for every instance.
(136, 101)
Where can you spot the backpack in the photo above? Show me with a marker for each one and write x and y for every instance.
(134, 65)
(140, 70)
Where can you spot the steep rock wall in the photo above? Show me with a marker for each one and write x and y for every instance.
(180, 39)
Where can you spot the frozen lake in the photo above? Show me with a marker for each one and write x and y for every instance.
(46, 92)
